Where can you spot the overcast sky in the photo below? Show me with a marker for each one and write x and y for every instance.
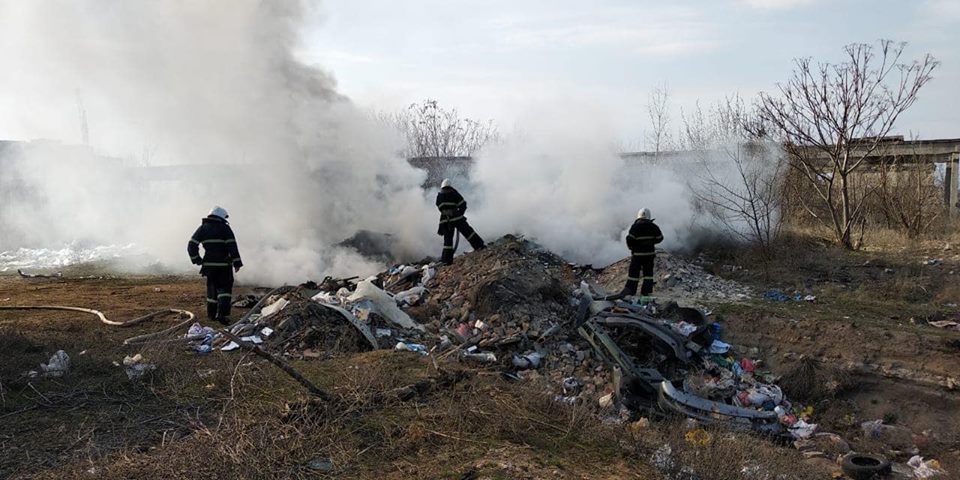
(499, 59)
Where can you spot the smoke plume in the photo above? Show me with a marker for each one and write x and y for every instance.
(210, 96)
(212, 91)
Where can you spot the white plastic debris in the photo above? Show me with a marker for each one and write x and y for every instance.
(802, 429)
(58, 365)
(274, 307)
(326, 297)
(412, 347)
(407, 271)
(683, 328)
(482, 357)
(922, 469)
(136, 367)
(383, 332)
(197, 330)
(254, 339)
(411, 296)
(428, 274)
(385, 305)
(266, 332)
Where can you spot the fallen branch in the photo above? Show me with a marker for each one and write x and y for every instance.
(313, 389)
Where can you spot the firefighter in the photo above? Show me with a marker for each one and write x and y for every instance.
(641, 239)
(452, 206)
(220, 254)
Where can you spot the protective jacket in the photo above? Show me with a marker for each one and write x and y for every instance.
(452, 206)
(450, 202)
(643, 236)
(219, 245)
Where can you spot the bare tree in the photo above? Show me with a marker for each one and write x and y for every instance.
(908, 196)
(739, 178)
(658, 109)
(433, 131)
(831, 117)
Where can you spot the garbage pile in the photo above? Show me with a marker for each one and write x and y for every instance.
(739, 380)
(511, 307)
(679, 280)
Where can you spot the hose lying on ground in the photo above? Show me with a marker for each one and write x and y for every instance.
(129, 323)
(136, 321)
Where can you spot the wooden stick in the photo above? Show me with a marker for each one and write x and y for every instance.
(313, 389)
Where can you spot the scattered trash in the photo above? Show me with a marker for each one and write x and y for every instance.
(412, 347)
(58, 365)
(321, 464)
(136, 366)
(482, 357)
(719, 347)
(571, 386)
(383, 332)
(924, 469)
(825, 445)
(778, 296)
(266, 332)
(861, 466)
(203, 348)
(893, 436)
(933, 262)
(606, 401)
(246, 301)
(527, 361)
(946, 324)
(411, 296)
(775, 296)
(698, 437)
(385, 305)
(802, 429)
(274, 307)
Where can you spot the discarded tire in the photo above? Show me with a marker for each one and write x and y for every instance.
(861, 466)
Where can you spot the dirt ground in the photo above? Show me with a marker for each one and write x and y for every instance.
(233, 415)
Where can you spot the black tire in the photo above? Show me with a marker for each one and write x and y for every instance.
(863, 466)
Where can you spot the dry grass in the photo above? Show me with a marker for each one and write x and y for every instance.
(733, 455)
(258, 425)
(811, 381)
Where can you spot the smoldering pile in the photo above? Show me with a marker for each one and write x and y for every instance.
(510, 308)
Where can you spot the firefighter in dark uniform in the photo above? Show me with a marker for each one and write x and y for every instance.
(220, 255)
(452, 207)
(641, 239)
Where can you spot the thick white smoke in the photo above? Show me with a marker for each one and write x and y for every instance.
(209, 95)
(563, 182)
(193, 84)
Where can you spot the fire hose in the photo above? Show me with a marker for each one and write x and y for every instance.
(129, 323)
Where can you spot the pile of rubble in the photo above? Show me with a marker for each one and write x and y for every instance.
(510, 307)
(678, 280)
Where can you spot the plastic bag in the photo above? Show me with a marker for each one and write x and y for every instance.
(385, 304)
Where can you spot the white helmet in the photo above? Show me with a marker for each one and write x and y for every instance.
(644, 213)
(445, 183)
(218, 211)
